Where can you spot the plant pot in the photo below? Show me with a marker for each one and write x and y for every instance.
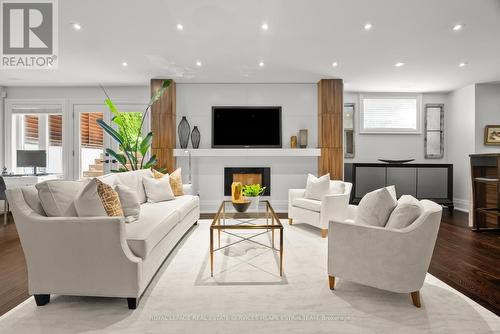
(254, 201)
(241, 206)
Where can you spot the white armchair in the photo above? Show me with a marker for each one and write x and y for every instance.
(334, 206)
(390, 259)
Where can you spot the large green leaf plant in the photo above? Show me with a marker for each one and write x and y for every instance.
(132, 145)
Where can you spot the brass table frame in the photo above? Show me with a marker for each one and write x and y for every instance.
(247, 224)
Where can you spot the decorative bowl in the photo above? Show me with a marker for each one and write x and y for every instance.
(241, 206)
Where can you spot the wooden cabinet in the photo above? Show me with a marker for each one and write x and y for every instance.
(423, 181)
(485, 174)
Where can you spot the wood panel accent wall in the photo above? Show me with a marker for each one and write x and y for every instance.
(330, 128)
(163, 126)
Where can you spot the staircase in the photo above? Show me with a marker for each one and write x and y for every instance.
(96, 169)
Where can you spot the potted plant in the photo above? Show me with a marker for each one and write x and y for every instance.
(253, 192)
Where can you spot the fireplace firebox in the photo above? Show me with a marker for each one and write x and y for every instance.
(247, 175)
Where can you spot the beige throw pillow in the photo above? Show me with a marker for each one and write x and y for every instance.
(376, 207)
(317, 187)
(129, 201)
(175, 180)
(88, 203)
(57, 197)
(405, 213)
(158, 190)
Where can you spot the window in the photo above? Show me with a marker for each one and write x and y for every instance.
(390, 114)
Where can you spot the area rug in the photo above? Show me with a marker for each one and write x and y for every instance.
(247, 295)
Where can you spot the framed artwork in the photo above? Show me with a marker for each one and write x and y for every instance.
(492, 135)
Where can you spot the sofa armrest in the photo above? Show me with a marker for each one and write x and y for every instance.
(334, 207)
(188, 189)
(395, 260)
(76, 255)
(294, 193)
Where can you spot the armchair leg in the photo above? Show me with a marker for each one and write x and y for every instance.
(41, 300)
(132, 303)
(324, 232)
(415, 297)
(290, 221)
(331, 282)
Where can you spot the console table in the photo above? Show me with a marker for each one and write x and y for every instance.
(423, 181)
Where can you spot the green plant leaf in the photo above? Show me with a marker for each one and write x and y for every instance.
(146, 143)
(112, 132)
(252, 190)
(151, 162)
(118, 156)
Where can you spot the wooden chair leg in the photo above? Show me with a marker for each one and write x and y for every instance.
(324, 232)
(331, 282)
(290, 221)
(415, 297)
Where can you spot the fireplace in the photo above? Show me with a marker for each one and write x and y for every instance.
(247, 175)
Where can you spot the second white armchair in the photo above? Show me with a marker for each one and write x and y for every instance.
(333, 206)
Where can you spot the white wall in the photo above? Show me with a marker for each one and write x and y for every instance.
(370, 147)
(299, 110)
(487, 112)
(459, 140)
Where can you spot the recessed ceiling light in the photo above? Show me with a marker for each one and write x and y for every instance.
(264, 26)
(462, 64)
(198, 63)
(124, 64)
(368, 26)
(457, 27)
(261, 64)
(76, 26)
(179, 26)
(399, 64)
(335, 64)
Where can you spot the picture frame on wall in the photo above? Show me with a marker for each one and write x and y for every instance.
(492, 135)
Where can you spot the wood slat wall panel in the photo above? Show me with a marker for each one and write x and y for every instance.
(330, 128)
(163, 125)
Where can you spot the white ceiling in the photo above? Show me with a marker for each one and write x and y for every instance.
(303, 40)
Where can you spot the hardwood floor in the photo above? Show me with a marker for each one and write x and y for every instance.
(468, 261)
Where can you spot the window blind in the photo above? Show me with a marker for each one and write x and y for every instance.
(91, 135)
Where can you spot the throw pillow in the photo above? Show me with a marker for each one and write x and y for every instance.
(110, 199)
(317, 187)
(175, 180)
(57, 197)
(130, 202)
(405, 213)
(158, 190)
(88, 203)
(375, 208)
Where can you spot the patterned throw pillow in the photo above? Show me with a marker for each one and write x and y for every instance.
(110, 199)
(175, 180)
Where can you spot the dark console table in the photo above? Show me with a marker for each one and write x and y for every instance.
(423, 181)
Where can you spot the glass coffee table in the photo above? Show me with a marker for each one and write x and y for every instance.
(262, 219)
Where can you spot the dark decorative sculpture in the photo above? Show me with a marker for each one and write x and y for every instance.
(184, 130)
(195, 137)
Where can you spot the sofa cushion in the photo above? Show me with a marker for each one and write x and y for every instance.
(57, 197)
(87, 201)
(130, 202)
(131, 179)
(376, 207)
(175, 180)
(306, 203)
(337, 187)
(158, 190)
(155, 221)
(405, 213)
(30, 195)
(317, 187)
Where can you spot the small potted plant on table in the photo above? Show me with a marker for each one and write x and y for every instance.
(253, 192)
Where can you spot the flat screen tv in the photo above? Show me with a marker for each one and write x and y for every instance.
(246, 127)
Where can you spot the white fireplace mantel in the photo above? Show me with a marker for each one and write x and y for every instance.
(248, 152)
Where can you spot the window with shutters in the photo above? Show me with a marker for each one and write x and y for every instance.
(398, 114)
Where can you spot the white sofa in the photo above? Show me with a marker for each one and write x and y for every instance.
(390, 259)
(99, 256)
(334, 206)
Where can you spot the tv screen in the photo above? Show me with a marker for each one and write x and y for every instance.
(258, 127)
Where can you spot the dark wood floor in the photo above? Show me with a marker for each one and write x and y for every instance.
(468, 261)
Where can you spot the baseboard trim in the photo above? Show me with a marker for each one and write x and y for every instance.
(461, 204)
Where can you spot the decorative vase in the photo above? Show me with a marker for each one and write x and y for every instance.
(236, 191)
(184, 130)
(195, 137)
(293, 141)
(303, 138)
